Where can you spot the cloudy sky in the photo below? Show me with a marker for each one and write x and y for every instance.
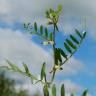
(18, 46)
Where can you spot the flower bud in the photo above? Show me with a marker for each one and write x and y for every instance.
(45, 43)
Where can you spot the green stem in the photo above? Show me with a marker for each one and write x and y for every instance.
(54, 45)
(53, 52)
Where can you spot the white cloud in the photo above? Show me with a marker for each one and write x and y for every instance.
(21, 10)
(15, 46)
(4, 7)
(12, 11)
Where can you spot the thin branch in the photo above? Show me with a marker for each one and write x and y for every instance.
(38, 34)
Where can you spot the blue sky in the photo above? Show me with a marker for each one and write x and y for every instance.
(19, 46)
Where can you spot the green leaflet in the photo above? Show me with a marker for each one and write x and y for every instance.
(35, 26)
(59, 8)
(28, 73)
(43, 74)
(54, 90)
(16, 69)
(84, 34)
(47, 14)
(45, 90)
(26, 68)
(46, 32)
(41, 29)
(51, 36)
(85, 93)
(71, 44)
(25, 25)
(63, 53)
(57, 56)
(78, 33)
(67, 48)
(13, 66)
(74, 39)
(62, 90)
(51, 10)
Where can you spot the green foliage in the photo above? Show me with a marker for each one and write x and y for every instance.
(62, 90)
(60, 56)
(67, 48)
(43, 73)
(78, 33)
(7, 87)
(71, 44)
(35, 26)
(51, 36)
(41, 29)
(85, 93)
(74, 39)
(63, 53)
(54, 90)
(45, 90)
(15, 68)
(46, 32)
(26, 68)
(57, 56)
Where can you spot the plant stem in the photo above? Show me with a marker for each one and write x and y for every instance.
(54, 45)
(53, 53)
(54, 70)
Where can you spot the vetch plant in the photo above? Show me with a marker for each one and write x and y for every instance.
(60, 56)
